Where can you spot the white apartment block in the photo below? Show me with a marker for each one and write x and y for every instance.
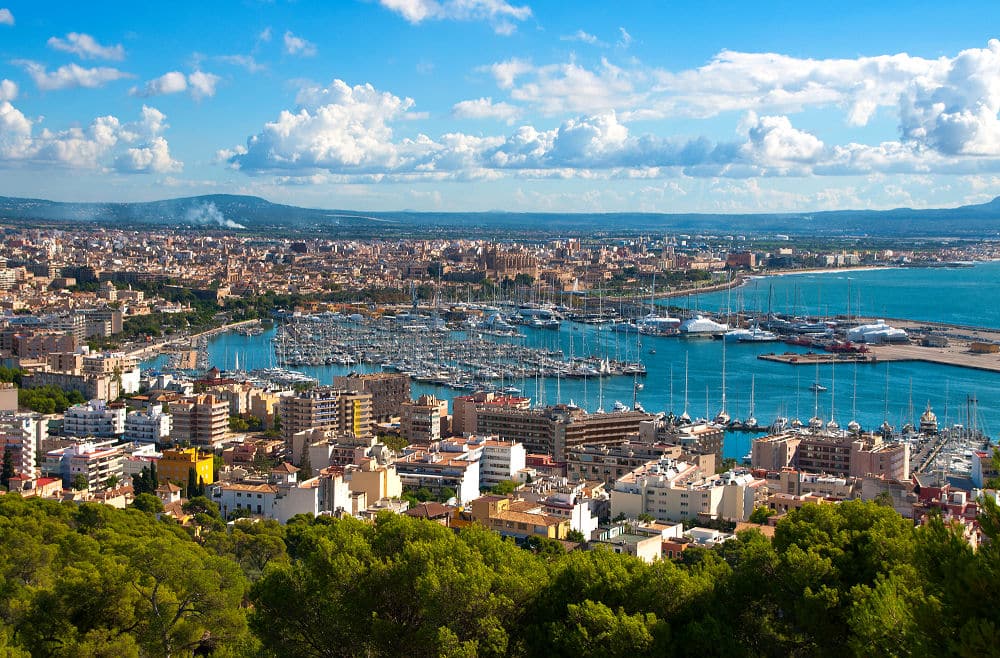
(94, 419)
(500, 460)
(149, 426)
(22, 434)
(97, 462)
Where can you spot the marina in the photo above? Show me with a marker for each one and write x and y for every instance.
(778, 392)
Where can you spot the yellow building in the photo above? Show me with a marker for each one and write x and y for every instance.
(175, 465)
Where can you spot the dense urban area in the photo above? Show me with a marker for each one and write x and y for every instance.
(185, 508)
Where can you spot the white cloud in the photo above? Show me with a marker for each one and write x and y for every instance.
(265, 35)
(246, 61)
(499, 13)
(773, 141)
(199, 84)
(203, 84)
(8, 90)
(625, 39)
(132, 147)
(86, 47)
(485, 108)
(153, 157)
(298, 46)
(505, 73)
(71, 76)
(173, 82)
(582, 36)
(956, 111)
(337, 127)
(6, 18)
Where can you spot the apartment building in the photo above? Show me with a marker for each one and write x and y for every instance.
(464, 407)
(151, 425)
(201, 420)
(670, 490)
(389, 390)
(96, 419)
(98, 462)
(420, 420)
(436, 471)
(554, 430)
(327, 408)
(500, 460)
(835, 452)
(22, 434)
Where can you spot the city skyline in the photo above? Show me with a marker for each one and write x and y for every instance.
(459, 105)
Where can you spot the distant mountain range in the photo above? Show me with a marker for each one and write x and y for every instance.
(236, 212)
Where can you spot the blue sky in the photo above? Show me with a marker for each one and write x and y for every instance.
(504, 104)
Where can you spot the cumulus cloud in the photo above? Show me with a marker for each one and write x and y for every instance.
(6, 18)
(154, 157)
(135, 147)
(8, 90)
(86, 47)
(499, 13)
(485, 108)
(203, 84)
(336, 127)
(298, 46)
(199, 84)
(71, 76)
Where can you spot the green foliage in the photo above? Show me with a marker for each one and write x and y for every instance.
(80, 482)
(48, 399)
(7, 470)
(148, 503)
(853, 579)
(238, 424)
(144, 482)
(394, 442)
(760, 515)
(9, 375)
(504, 488)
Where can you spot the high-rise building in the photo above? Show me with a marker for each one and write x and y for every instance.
(96, 418)
(326, 408)
(22, 434)
(199, 420)
(389, 391)
(420, 420)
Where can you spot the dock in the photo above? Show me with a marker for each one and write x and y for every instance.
(812, 358)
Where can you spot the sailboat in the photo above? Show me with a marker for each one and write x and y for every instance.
(722, 418)
(816, 387)
(751, 420)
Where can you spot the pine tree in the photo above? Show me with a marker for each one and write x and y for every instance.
(305, 465)
(7, 471)
(192, 488)
(154, 479)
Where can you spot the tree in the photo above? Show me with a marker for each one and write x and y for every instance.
(80, 482)
(761, 514)
(7, 470)
(504, 488)
(193, 488)
(148, 503)
(576, 536)
(305, 464)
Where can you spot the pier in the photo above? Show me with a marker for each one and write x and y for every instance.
(812, 358)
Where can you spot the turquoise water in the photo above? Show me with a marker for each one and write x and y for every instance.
(956, 296)
(959, 296)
